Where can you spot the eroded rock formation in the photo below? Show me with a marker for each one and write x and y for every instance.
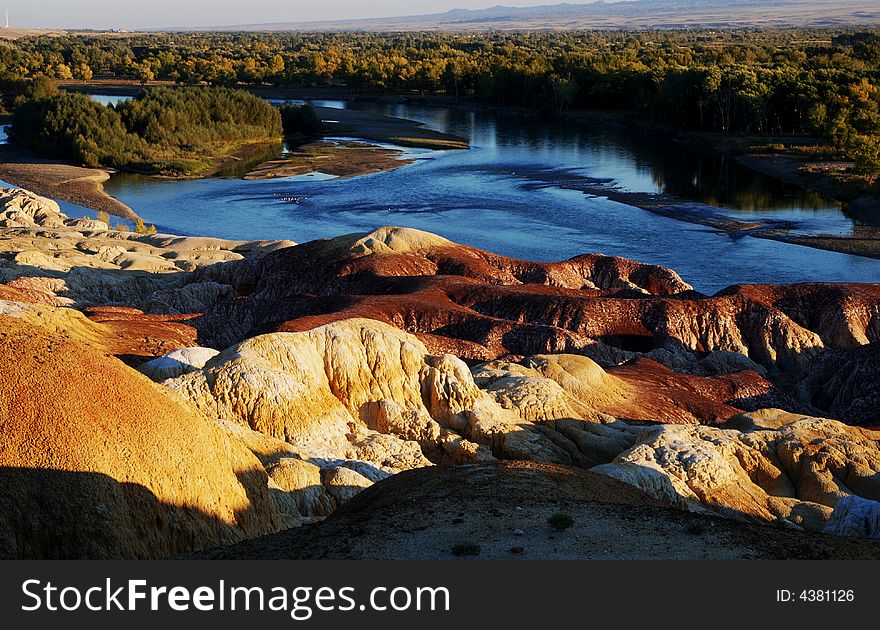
(177, 362)
(96, 461)
(21, 208)
(775, 466)
(362, 390)
(81, 262)
(356, 389)
(324, 368)
(481, 306)
(846, 383)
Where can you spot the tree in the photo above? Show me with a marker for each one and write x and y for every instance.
(82, 72)
(144, 73)
(42, 87)
(63, 71)
(141, 228)
(301, 120)
(866, 151)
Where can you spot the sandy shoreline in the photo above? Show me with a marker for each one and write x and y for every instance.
(341, 159)
(56, 180)
(794, 169)
(390, 129)
(867, 244)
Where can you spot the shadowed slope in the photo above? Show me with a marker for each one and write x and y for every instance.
(97, 461)
(423, 514)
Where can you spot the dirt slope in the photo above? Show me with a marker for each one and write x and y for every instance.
(425, 513)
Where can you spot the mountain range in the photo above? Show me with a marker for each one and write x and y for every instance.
(649, 14)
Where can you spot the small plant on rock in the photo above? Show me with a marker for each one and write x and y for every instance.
(141, 228)
(560, 521)
(697, 529)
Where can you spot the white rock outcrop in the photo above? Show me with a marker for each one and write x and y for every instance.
(795, 472)
(177, 362)
(855, 516)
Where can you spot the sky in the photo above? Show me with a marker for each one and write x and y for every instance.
(125, 14)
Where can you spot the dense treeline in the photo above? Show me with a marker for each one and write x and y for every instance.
(76, 128)
(173, 131)
(808, 82)
(182, 117)
(300, 122)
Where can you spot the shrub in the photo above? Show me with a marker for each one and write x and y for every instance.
(141, 228)
(301, 120)
(560, 521)
(466, 549)
(865, 150)
(696, 528)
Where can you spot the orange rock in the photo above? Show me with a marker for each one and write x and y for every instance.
(96, 461)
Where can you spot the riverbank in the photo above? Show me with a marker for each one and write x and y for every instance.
(865, 242)
(49, 178)
(233, 161)
(792, 166)
(791, 159)
(828, 178)
(252, 160)
(340, 159)
(798, 167)
(785, 167)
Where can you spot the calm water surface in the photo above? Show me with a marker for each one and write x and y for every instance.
(505, 195)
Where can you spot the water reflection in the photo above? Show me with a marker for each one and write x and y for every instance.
(504, 194)
(637, 162)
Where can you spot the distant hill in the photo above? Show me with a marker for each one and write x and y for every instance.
(662, 14)
(18, 33)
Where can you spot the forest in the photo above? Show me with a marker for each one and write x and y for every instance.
(162, 131)
(821, 83)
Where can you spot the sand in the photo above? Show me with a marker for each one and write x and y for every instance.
(342, 159)
(56, 180)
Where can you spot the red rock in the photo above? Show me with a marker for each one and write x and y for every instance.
(483, 306)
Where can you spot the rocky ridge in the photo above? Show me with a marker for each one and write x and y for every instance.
(365, 391)
(81, 262)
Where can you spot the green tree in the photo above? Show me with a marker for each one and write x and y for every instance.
(301, 120)
(141, 228)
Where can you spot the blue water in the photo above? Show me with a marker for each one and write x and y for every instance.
(505, 194)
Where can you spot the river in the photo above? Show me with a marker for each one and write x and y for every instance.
(506, 194)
